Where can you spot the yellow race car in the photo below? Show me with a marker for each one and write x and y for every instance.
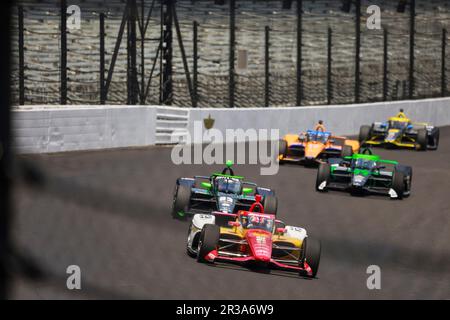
(399, 131)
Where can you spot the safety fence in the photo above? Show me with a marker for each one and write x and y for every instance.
(238, 54)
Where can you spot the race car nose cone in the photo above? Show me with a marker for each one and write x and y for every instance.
(392, 136)
(263, 258)
(226, 204)
(260, 244)
(359, 181)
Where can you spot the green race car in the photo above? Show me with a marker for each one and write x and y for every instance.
(223, 192)
(365, 173)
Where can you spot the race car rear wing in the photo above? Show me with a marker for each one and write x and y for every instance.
(201, 177)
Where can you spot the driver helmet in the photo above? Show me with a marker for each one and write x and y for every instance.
(320, 126)
(244, 221)
(401, 113)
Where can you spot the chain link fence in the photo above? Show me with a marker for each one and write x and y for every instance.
(260, 73)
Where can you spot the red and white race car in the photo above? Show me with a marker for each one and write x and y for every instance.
(253, 238)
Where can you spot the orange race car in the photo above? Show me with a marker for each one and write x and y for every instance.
(315, 146)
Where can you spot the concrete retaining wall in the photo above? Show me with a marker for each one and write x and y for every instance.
(341, 120)
(42, 129)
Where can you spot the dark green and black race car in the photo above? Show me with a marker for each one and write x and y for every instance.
(224, 192)
(365, 173)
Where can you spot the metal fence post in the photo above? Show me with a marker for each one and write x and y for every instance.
(166, 56)
(116, 50)
(329, 66)
(358, 51)
(412, 40)
(443, 64)
(102, 59)
(161, 46)
(299, 52)
(21, 59)
(132, 54)
(232, 52)
(183, 54)
(63, 60)
(267, 67)
(385, 64)
(195, 64)
(142, 33)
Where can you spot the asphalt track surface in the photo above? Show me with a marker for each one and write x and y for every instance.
(109, 213)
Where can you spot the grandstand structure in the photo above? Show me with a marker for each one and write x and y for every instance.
(234, 53)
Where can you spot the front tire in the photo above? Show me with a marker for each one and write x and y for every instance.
(407, 174)
(208, 241)
(311, 255)
(434, 140)
(422, 140)
(323, 175)
(181, 199)
(398, 183)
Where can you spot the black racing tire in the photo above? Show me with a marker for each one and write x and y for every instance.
(365, 133)
(181, 199)
(347, 151)
(282, 148)
(398, 183)
(435, 140)
(323, 174)
(408, 175)
(270, 204)
(208, 241)
(311, 255)
(408, 186)
(422, 140)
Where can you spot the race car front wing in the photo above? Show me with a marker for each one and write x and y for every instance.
(221, 256)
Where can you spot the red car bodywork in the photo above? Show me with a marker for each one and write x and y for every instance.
(256, 245)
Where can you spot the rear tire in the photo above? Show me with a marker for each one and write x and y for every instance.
(312, 252)
(323, 174)
(347, 151)
(422, 137)
(270, 204)
(398, 183)
(209, 239)
(181, 199)
(364, 133)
